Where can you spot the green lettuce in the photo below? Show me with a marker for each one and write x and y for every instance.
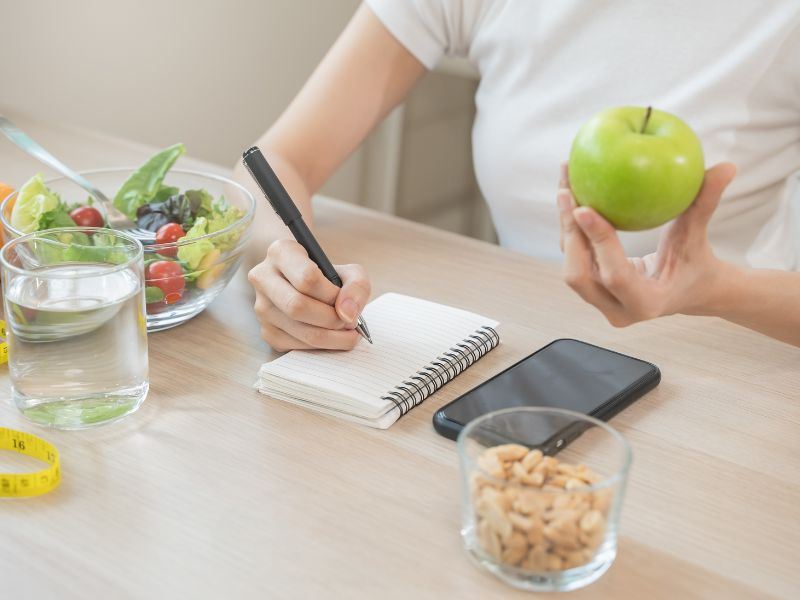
(146, 182)
(193, 253)
(201, 201)
(223, 215)
(164, 192)
(58, 217)
(34, 200)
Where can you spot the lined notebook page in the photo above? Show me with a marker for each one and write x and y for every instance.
(408, 333)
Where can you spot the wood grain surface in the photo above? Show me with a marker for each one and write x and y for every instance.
(212, 490)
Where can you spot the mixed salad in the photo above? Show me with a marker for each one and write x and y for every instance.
(173, 215)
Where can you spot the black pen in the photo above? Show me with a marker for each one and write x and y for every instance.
(287, 210)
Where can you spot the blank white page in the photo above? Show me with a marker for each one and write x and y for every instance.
(408, 333)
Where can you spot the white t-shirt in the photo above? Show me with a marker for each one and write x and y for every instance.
(731, 70)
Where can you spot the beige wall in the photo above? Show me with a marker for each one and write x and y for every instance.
(210, 73)
(215, 74)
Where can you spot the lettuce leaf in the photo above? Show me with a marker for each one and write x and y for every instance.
(192, 254)
(164, 192)
(224, 215)
(58, 217)
(201, 201)
(34, 200)
(146, 182)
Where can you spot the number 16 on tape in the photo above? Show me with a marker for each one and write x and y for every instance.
(16, 485)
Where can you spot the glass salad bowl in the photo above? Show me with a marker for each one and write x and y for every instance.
(183, 275)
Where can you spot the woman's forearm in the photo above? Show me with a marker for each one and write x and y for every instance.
(764, 300)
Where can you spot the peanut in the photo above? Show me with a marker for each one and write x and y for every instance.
(521, 522)
(489, 541)
(518, 471)
(533, 521)
(497, 520)
(591, 521)
(531, 459)
(510, 451)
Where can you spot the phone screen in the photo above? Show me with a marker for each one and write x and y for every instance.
(565, 374)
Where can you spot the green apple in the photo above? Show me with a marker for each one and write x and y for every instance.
(637, 167)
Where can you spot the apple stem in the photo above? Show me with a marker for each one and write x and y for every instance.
(646, 118)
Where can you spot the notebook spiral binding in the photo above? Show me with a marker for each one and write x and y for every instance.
(445, 367)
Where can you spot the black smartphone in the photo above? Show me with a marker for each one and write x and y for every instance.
(564, 374)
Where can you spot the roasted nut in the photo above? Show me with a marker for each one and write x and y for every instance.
(591, 521)
(537, 558)
(489, 540)
(541, 519)
(513, 556)
(496, 517)
(510, 451)
(528, 502)
(531, 459)
(563, 534)
(554, 563)
(574, 483)
(602, 500)
(574, 559)
(518, 471)
(522, 522)
(536, 534)
(491, 465)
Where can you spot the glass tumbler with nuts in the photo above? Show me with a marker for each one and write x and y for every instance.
(542, 493)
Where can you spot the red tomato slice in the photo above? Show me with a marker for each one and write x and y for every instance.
(87, 216)
(167, 276)
(166, 234)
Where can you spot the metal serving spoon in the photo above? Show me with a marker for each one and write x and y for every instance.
(116, 219)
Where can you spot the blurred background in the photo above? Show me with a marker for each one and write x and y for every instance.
(215, 74)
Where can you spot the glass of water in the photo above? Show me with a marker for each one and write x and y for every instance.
(74, 308)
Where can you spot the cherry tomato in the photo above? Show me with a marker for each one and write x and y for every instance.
(166, 234)
(168, 276)
(86, 216)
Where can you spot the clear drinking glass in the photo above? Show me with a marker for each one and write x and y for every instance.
(541, 497)
(74, 308)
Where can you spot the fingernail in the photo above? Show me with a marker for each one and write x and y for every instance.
(564, 202)
(583, 216)
(348, 309)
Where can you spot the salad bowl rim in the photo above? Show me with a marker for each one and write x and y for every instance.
(245, 219)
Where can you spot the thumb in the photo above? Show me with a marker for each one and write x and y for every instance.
(716, 180)
(353, 296)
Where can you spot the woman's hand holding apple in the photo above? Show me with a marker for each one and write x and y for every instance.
(682, 276)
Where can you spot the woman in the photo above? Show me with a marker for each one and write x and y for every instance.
(731, 70)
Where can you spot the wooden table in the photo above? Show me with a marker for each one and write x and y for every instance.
(211, 490)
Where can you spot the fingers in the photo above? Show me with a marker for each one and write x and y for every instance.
(354, 294)
(579, 266)
(280, 341)
(295, 302)
(291, 260)
(615, 271)
(716, 180)
(282, 332)
(316, 337)
(287, 300)
(563, 182)
(565, 203)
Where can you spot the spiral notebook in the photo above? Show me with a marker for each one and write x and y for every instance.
(419, 347)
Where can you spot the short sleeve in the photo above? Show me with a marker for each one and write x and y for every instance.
(429, 29)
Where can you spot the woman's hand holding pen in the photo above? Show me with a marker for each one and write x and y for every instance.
(298, 308)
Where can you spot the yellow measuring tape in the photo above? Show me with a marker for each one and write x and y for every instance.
(29, 484)
(3, 344)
